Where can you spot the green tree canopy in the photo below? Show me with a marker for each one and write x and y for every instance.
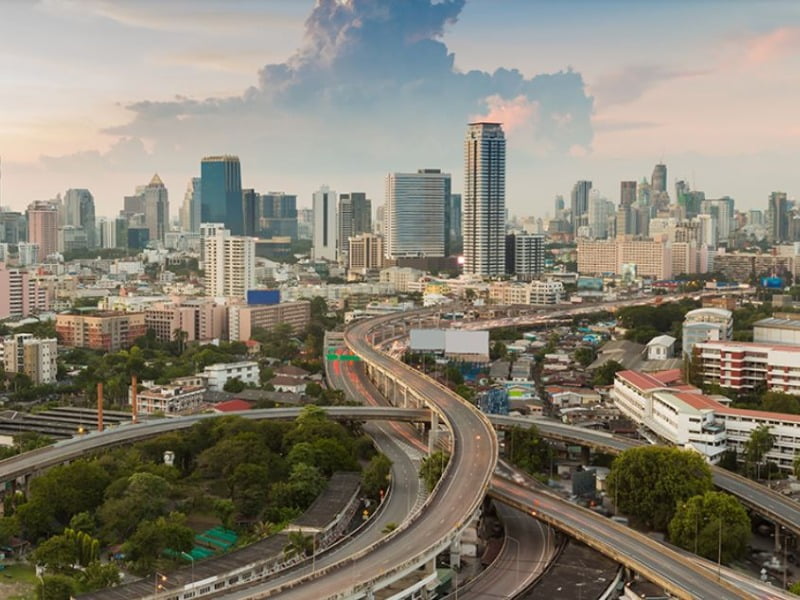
(376, 476)
(604, 374)
(760, 442)
(432, 468)
(648, 482)
(528, 450)
(701, 522)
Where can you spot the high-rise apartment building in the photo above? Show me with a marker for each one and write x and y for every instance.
(156, 208)
(228, 262)
(354, 218)
(79, 212)
(190, 210)
(27, 254)
(22, 353)
(598, 215)
(579, 204)
(13, 227)
(484, 202)
(415, 213)
(107, 228)
(455, 241)
(43, 227)
(365, 254)
(221, 192)
(325, 225)
(524, 254)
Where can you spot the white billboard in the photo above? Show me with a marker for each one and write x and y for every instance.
(466, 342)
(427, 340)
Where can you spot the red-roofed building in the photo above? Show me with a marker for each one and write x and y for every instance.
(749, 365)
(682, 415)
(235, 405)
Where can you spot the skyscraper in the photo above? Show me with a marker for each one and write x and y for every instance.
(325, 229)
(659, 179)
(454, 242)
(524, 255)
(156, 208)
(354, 218)
(221, 192)
(579, 204)
(627, 193)
(190, 210)
(484, 203)
(43, 227)
(250, 202)
(415, 213)
(723, 210)
(228, 262)
(778, 217)
(277, 215)
(79, 212)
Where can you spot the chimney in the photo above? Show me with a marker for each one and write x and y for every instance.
(100, 406)
(134, 400)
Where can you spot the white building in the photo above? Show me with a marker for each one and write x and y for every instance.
(546, 292)
(661, 347)
(749, 366)
(682, 415)
(414, 213)
(170, 399)
(484, 200)
(775, 330)
(325, 243)
(526, 254)
(229, 264)
(706, 324)
(219, 374)
(28, 254)
(22, 353)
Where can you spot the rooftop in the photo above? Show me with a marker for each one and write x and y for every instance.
(774, 322)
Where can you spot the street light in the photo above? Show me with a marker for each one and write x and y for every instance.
(161, 579)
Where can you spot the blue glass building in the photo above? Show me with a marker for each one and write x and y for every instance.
(221, 192)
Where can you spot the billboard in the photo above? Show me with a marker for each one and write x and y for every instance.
(772, 283)
(466, 342)
(594, 284)
(427, 340)
(263, 297)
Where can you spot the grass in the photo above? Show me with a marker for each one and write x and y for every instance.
(20, 572)
(18, 582)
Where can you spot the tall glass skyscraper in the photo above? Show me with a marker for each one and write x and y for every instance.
(221, 192)
(484, 203)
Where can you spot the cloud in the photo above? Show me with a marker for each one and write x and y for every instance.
(630, 83)
(772, 45)
(372, 88)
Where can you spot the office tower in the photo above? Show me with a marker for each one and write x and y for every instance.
(13, 227)
(524, 254)
(415, 213)
(454, 242)
(107, 228)
(579, 204)
(156, 208)
(558, 206)
(755, 217)
(659, 179)
(27, 254)
(708, 230)
(250, 201)
(723, 210)
(121, 233)
(598, 214)
(484, 202)
(778, 217)
(228, 262)
(354, 218)
(221, 192)
(79, 212)
(43, 227)
(277, 215)
(325, 229)
(627, 193)
(134, 205)
(190, 210)
(365, 254)
(305, 224)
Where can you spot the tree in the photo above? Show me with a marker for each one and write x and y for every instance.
(498, 350)
(584, 355)
(453, 374)
(701, 522)
(604, 374)
(648, 482)
(234, 386)
(756, 447)
(376, 476)
(528, 450)
(432, 468)
(98, 576)
(299, 544)
(56, 587)
(153, 537)
(224, 509)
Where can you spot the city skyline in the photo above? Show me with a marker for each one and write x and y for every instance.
(579, 107)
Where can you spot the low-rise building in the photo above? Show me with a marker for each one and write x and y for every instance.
(706, 324)
(170, 399)
(107, 331)
(661, 347)
(776, 330)
(23, 353)
(218, 374)
(242, 320)
(682, 415)
(282, 383)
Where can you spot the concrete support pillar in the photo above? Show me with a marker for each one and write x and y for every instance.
(405, 396)
(433, 434)
(777, 538)
(586, 454)
(455, 553)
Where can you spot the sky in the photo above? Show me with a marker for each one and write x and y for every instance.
(101, 94)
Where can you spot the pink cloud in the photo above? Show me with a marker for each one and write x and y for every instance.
(514, 114)
(772, 45)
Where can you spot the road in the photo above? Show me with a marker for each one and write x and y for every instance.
(760, 498)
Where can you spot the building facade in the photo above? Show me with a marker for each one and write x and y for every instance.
(108, 331)
(221, 192)
(706, 324)
(228, 263)
(484, 200)
(43, 227)
(415, 214)
(22, 353)
(242, 320)
(325, 244)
